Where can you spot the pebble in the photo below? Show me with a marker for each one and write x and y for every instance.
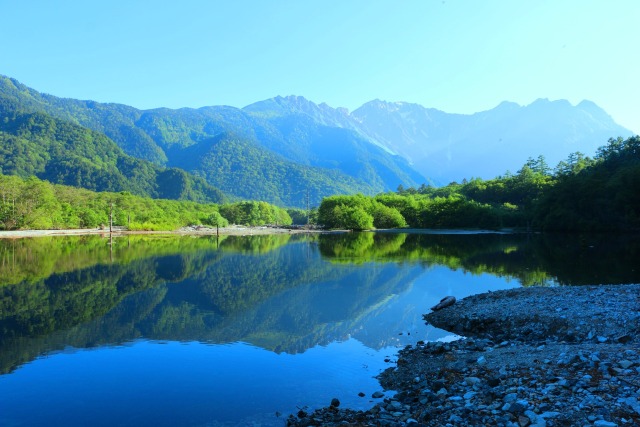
(571, 377)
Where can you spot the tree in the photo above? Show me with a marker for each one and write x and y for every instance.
(352, 218)
(542, 166)
(387, 217)
(217, 220)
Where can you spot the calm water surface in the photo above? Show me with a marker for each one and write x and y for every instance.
(235, 331)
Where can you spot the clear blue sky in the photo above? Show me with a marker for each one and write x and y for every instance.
(460, 56)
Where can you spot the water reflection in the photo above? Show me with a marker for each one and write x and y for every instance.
(288, 297)
(277, 292)
(532, 259)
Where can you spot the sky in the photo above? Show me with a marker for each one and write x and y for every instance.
(459, 56)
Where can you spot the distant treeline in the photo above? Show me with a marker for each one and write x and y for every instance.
(32, 203)
(580, 194)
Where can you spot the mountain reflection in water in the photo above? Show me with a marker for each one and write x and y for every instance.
(288, 295)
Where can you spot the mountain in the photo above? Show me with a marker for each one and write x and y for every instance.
(449, 147)
(292, 148)
(64, 153)
(116, 121)
(319, 135)
(250, 171)
(289, 150)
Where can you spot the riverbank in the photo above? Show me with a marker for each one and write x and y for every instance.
(234, 230)
(564, 356)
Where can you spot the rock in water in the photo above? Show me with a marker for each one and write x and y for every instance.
(335, 402)
(444, 302)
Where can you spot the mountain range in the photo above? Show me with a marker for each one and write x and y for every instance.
(285, 150)
(448, 147)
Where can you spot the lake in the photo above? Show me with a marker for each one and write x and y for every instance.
(242, 331)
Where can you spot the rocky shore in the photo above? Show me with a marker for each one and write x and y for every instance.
(564, 356)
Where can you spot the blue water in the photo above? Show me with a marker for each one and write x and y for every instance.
(231, 337)
(191, 383)
(152, 383)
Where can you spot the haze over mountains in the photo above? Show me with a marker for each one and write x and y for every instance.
(449, 147)
(287, 150)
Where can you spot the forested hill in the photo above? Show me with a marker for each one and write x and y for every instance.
(253, 172)
(310, 154)
(118, 125)
(62, 152)
(289, 150)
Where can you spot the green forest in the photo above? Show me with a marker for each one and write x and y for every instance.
(51, 147)
(36, 144)
(31, 203)
(187, 154)
(579, 194)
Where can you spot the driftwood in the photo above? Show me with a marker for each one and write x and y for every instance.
(444, 302)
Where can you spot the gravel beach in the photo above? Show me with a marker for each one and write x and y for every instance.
(561, 356)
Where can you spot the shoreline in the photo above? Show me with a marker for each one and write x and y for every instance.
(192, 230)
(531, 357)
(234, 230)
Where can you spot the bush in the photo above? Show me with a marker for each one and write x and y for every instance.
(352, 218)
(386, 217)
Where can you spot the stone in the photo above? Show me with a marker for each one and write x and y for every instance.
(437, 385)
(335, 402)
(472, 381)
(516, 408)
(493, 381)
(444, 302)
(632, 402)
(625, 364)
(532, 416)
(442, 392)
(377, 395)
(455, 419)
(511, 397)
(523, 421)
(549, 414)
(623, 339)
(534, 380)
(468, 395)
(394, 405)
